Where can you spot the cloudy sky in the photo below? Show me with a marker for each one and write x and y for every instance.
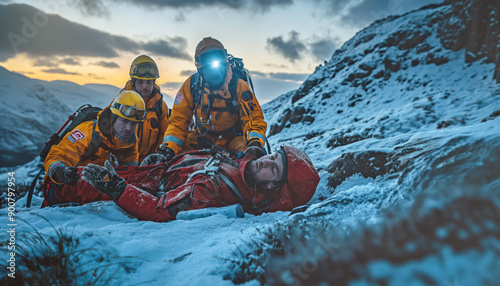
(94, 41)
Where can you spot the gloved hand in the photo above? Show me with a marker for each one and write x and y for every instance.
(167, 152)
(153, 159)
(255, 149)
(104, 179)
(66, 175)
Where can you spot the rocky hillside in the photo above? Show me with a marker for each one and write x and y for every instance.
(403, 124)
(425, 70)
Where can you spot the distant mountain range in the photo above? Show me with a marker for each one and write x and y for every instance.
(32, 110)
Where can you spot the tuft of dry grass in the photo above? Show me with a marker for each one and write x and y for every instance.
(60, 259)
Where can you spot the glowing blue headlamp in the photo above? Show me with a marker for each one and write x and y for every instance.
(212, 58)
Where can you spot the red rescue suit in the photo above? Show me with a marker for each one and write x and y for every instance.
(198, 179)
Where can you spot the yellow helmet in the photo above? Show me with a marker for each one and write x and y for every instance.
(143, 67)
(129, 105)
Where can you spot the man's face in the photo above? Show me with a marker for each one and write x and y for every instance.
(144, 87)
(124, 128)
(267, 168)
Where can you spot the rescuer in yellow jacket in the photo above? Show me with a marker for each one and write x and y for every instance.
(112, 136)
(226, 112)
(143, 74)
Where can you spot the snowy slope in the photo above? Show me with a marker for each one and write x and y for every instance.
(375, 88)
(405, 133)
(417, 117)
(32, 110)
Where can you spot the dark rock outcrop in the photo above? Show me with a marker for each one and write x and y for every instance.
(293, 116)
(475, 26)
(304, 89)
(368, 164)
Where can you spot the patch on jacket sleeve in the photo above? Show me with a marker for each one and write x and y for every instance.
(247, 95)
(178, 98)
(76, 135)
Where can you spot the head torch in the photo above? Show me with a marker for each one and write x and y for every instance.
(212, 59)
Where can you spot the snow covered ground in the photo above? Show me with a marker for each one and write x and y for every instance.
(431, 216)
(175, 253)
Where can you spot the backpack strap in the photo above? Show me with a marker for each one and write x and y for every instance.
(212, 168)
(159, 105)
(158, 109)
(32, 188)
(233, 84)
(94, 145)
(232, 186)
(194, 86)
(231, 103)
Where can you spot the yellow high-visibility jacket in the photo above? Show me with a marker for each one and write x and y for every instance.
(82, 146)
(214, 120)
(151, 132)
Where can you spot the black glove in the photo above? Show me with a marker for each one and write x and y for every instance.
(104, 179)
(167, 152)
(66, 175)
(153, 159)
(255, 149)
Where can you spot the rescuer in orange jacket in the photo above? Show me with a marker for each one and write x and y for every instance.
(226, 112)
(143, 74)
(201, 179)
(112, 136)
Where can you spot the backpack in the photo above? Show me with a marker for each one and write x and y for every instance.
(239, 72)
(158, 109)
(86, 112)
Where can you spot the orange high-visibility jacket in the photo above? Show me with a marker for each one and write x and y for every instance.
(249, 118)
(78, 149)
(152, 131)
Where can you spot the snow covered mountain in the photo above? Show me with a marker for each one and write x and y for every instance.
(32, 110)
(401, 75)
(402, 124)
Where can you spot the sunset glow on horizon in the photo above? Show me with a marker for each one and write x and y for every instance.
(281, 42)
